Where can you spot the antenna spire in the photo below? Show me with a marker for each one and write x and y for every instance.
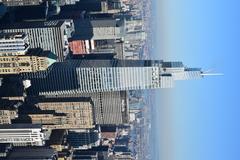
(212, 74)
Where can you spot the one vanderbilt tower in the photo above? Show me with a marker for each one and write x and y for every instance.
(93, 75)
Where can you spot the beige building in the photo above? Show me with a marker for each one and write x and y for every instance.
(16, 57)
(48, 118)
(7, 115)
(35, 60)
(70, 113)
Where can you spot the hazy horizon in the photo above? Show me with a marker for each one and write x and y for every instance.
(197, 120)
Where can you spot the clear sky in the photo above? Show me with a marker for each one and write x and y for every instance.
(198, 120)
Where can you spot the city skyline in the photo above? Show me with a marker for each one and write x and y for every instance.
(67, 71)
(115, 79)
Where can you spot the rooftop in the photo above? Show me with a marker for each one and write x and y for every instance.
(35, 24)
(41, 53)
(56, 137)
(20, 126)
(70, 99)
(13, 35)
(9, 105)
(35, 153)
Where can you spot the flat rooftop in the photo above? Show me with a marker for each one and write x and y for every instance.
(38, 24)
(20, 126)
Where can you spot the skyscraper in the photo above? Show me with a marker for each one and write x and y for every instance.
(16, 57)
(99, 29)
(48, 35)
(89, 76)
(110, 108)
(12, 44)
(78, 113)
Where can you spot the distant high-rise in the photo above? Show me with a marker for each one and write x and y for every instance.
(21, 2)
(110, 108)
(89, 76)
(48, 35)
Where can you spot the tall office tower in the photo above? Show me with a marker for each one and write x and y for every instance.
(99, 29)
(13, 44)
(90, 76)
(48, 35)
(22, 134)
(21, 2)
(82, 140)
(75, 113)
(21, 13)
(35, 60)
(110, 108)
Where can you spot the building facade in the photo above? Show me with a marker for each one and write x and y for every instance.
(7, 115)
(22, 134)
(48, 35)
(13, 44)
(76, 113)
(110, 108)
(36, 60)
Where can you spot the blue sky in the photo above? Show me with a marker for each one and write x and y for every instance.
(198, 120)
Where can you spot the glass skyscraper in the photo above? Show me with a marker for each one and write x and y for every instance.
(91, 75)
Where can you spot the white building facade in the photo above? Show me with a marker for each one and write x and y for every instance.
(22, 134)
(13, 44)
(90, 76)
